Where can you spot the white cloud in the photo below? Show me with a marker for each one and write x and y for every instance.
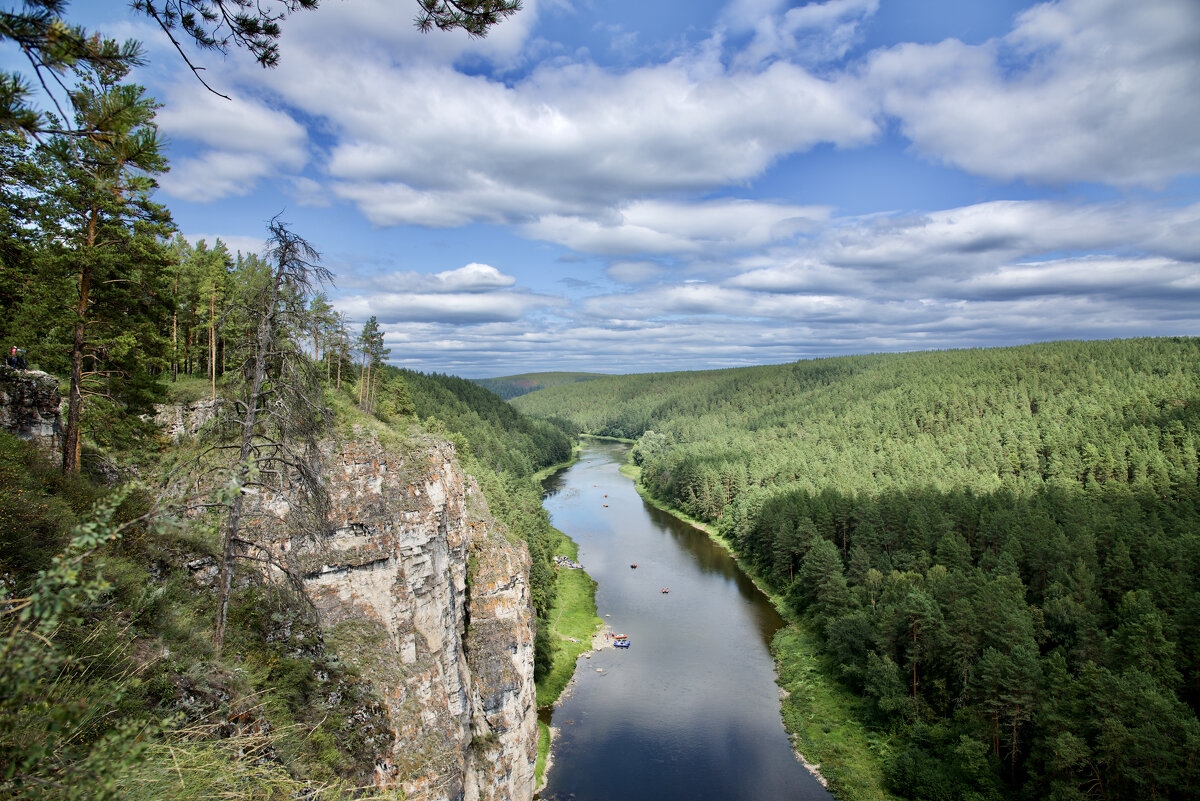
(428, 145)
(308, 192)
(1080, 90)
(457, 308)
(813, 33)
(241, 142)
(471, 279)
(662, 227)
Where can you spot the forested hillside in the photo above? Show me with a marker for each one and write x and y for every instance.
(512, 386)
(1001, 548)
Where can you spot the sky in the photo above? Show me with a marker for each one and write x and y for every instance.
(617, 186)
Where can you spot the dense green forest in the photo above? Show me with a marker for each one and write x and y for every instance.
(511, 386)
(1001, 548)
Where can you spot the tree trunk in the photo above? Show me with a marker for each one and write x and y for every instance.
(75, 396)
(229, 544)
(362, 372)
(212, 340)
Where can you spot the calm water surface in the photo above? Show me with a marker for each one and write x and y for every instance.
(691, 709)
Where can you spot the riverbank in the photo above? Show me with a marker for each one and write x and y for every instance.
(822, 718)
(573, 625)
(546, 472)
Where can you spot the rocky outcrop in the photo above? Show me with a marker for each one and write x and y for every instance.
(419, 588)
(180, 421)
(29, 404)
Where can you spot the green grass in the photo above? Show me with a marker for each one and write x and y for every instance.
(573, 617)
(539, 769)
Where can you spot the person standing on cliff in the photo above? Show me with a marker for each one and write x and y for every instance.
(16, 359)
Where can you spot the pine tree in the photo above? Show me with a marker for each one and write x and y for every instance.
(104, 208)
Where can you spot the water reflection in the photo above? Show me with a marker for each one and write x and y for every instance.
(691, 710)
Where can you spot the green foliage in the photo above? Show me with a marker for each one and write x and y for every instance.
(54, 732)
(1000, 547)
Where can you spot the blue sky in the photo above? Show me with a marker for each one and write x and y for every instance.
(619, 186)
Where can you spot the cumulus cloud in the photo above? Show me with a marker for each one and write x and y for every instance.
(427, 144)
(624, 163)
(1080, 90)
(240, 141)
(472, 278)
(472, 294)
(978, 275)
(662, 227)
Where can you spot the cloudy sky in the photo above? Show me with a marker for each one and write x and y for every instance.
(620, 186)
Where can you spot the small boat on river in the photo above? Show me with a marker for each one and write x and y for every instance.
(634, 565)
(621, 643)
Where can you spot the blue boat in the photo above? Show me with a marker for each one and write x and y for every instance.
(621, 643)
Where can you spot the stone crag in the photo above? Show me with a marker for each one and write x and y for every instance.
(420, 589)
(29, 404)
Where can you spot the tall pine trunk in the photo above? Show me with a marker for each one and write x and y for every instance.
(71, 449)
(212, 340)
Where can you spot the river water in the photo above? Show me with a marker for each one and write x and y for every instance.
(691, 709)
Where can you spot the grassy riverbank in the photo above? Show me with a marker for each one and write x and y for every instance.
(821, 716)
(573, 622)
(546, 472)
(824, 719)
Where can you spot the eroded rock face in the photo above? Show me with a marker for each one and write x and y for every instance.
(453, 663)
(179, 421)
(29, 403)
(500, 656)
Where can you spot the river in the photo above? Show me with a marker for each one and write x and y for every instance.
(691, 709)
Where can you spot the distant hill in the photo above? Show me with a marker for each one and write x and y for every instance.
(514, 386)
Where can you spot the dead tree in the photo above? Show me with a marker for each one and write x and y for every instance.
(265, 439)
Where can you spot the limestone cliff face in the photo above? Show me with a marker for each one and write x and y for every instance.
(419, 587)
(29, 406)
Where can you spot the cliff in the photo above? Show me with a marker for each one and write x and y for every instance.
(418, 587)
(29, 406)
